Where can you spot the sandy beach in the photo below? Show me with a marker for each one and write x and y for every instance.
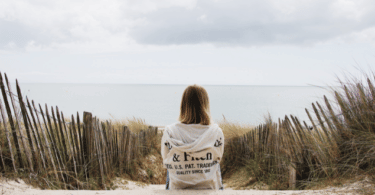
(129, 187)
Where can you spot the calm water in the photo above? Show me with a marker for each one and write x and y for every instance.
(159, 104)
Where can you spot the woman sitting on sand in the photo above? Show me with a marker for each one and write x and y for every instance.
(192, 148)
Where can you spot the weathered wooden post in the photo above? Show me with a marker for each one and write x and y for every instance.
(292, 175)
(53, 140)
(26, 124)
(292, 154)
(122, 147)
(129, 149)
(46, 141)
(11, 123)
(71, 146)
(87, 138)
(104, 149)
(7, 135)
(80, 138)
(38, 139)
(76, 140)
(99, 154)
(60, 143)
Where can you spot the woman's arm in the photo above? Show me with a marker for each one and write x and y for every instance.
(164, 145)
(222, 141)
(219, 143)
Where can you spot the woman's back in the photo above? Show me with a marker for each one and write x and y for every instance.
(192, 149)
(192, 153)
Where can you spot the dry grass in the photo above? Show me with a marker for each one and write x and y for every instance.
(231, 129)
(134, 124)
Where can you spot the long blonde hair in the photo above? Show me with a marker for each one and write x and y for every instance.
(195, 106)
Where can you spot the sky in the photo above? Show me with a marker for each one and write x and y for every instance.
(207, 42)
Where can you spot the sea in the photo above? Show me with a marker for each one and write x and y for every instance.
(159, 105)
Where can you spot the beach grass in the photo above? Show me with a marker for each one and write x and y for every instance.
(135, 124)
(233, 129)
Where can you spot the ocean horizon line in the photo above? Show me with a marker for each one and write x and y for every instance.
(237, 85)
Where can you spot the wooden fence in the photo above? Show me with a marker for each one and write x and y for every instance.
(290, 148)
(337, 140)
(75, 153)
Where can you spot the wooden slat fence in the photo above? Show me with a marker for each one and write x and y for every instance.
(292, 149)
(74, 154)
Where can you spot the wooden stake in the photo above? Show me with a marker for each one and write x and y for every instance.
(47, 143)
(39, 141)
(8, 137)
(71, 146)
(10, 119)
(87, 137)
(292, 175)
(26, 124)
(53, 141)
(60, 137)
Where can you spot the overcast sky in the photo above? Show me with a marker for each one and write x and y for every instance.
(218, 42)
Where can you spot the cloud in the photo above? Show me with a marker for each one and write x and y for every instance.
(116, 25)
(15, 34)
(249, 23)
(49, 24)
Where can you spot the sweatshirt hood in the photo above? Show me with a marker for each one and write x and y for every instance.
(192, 137)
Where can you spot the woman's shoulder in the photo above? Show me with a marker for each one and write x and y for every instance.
(182, 126)
(171, 126)
(179, 124)
(217, 128)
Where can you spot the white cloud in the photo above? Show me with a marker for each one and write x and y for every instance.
(115, 25)
(249, 23)
(36, 73)
(11, 45)
(203, 18)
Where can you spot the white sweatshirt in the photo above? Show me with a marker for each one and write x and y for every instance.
(192, 153)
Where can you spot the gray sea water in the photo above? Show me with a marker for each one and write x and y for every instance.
(159, 104)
